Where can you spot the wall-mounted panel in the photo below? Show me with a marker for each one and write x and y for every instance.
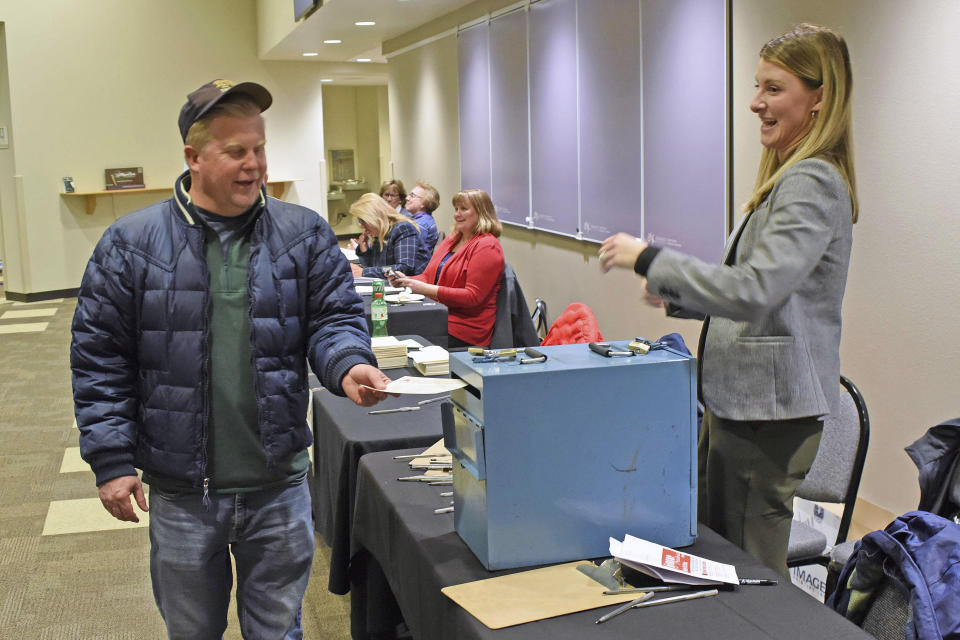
(473, 59)
(509, 133)
(611, 155)
(554, 174)
(601, 117)
(684, 103)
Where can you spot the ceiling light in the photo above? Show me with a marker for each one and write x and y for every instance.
(363, 59)
(332, 41)
(365, 23)
(310, 54)
(326, 79)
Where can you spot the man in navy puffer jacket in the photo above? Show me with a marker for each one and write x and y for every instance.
(195, 322)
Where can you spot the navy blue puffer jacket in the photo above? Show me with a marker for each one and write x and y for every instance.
(140, 345)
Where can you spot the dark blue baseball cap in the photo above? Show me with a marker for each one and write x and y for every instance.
(203, 99)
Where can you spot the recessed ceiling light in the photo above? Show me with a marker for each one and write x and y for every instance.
(310, 54)
(363, 59)
(332, 41)
(326, 79)
(365, 23)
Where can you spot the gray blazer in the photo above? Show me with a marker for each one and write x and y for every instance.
(772, 344)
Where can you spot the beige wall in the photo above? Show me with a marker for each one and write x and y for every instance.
(901, 305)
(97, 85)
(368, 134)
(424, 122)
(7, 201)
(274, 23)
(355, 118)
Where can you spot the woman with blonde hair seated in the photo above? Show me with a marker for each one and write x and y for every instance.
(390, 240)
(465, 271)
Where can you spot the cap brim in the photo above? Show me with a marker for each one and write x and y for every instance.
(257, 92)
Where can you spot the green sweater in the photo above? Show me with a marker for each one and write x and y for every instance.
(237, 457)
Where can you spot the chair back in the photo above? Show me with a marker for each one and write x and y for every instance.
(576, 325)
(835, 474)
(539, 318)
(512, 326)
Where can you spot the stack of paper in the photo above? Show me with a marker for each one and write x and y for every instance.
(431, 361)
(670, 565)
(436, 460)
(390, 352)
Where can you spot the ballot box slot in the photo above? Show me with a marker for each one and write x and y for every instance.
(463, 437)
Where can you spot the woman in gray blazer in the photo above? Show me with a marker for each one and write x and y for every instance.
(770, 344)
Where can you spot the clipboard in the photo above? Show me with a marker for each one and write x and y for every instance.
(532, 595)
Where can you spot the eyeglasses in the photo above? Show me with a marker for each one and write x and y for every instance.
(391, 195)
(413, 195)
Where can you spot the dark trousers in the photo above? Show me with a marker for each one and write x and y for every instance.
(748, 476)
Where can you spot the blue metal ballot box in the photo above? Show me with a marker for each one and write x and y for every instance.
(552, 459)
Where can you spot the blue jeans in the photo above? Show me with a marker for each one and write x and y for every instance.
(269, 533)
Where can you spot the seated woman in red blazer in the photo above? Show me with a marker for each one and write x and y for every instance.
(465, 271)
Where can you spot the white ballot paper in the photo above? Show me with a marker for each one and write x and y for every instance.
(423, 386)
(670, 565)
(367, 289)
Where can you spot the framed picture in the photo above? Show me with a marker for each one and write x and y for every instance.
(125, 178)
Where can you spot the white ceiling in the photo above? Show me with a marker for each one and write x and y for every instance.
(335, 20)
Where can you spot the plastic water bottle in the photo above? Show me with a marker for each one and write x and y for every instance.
(378, 310)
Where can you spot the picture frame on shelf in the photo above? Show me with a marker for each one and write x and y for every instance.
(124, 178)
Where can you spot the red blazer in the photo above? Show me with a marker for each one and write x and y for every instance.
(469, 283)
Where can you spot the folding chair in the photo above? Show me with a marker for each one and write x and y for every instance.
(834, 476)
(539, 318)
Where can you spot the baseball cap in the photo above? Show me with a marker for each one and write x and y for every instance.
(203, 99)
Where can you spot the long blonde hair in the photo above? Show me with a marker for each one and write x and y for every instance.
(378, 214)
(819, 57)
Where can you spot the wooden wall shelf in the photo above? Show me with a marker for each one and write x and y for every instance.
(276, 188)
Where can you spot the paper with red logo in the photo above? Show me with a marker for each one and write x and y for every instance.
(670, 565)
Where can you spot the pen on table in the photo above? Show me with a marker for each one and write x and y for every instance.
(643, 598)
(657, 589)
(397, 410)
(431, 456)
(642, 603)
(429, 400)
(411, 456)
(425, 478)
(689, 587)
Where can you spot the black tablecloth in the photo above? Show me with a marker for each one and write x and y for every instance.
(397, 538)
(426, 318)
(343, 432)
